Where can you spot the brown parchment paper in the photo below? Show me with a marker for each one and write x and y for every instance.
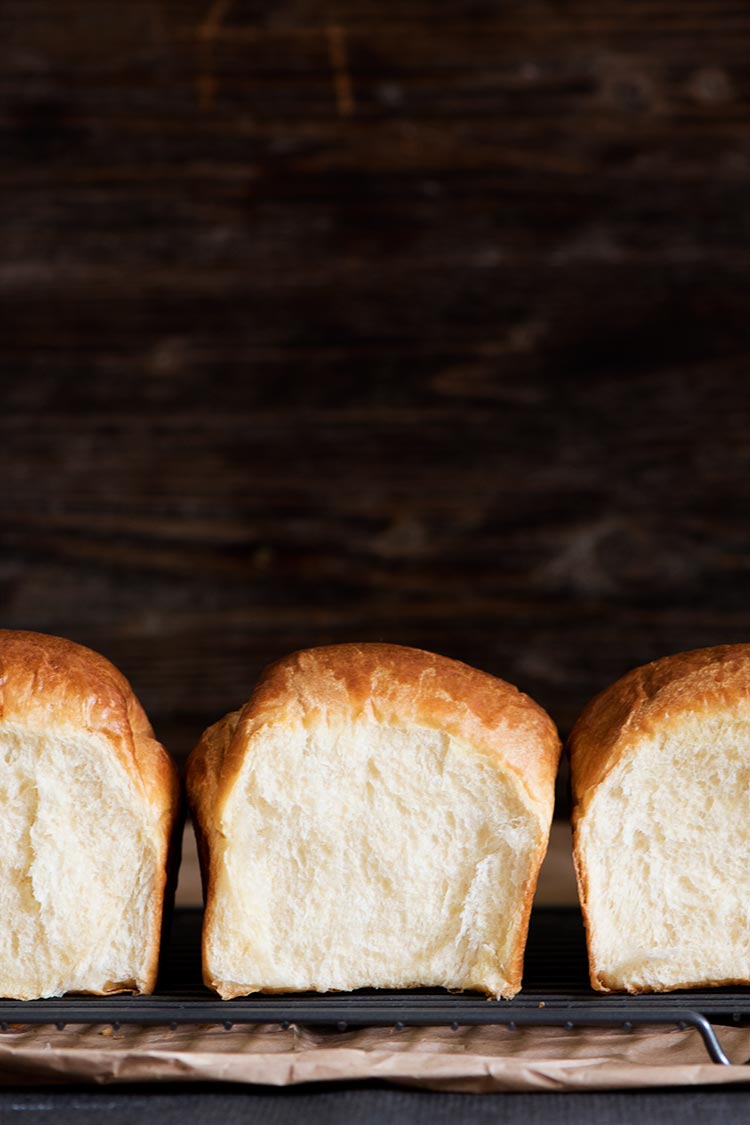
(472, 1059)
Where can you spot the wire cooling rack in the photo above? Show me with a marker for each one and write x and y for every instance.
(556, 993)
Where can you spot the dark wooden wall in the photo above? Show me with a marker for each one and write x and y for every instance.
(350, 320)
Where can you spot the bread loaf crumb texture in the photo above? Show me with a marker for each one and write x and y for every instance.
(78, 867)
(666, 840)
(374, 856)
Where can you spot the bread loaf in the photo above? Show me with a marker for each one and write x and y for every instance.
(374, 816)
(660, 766)
(88, 801)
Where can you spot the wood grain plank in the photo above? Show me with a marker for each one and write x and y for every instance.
(427, 325)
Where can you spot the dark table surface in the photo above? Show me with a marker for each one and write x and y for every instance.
(345, 320)
(371, 1105)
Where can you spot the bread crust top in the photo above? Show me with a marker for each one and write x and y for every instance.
(50, 682)
(650, 699)
(390, 684)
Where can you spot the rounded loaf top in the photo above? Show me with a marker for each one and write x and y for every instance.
(401, 686)
(649, 699)
(51, 682)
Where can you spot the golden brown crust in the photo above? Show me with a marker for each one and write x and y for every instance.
(45, 678)
(650, 698)
(647, 699)
(582, 880)
(390, 684)
(393, 684)
(202, 774)
(49, 680)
